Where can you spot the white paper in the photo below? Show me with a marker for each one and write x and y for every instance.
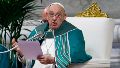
(30, 49)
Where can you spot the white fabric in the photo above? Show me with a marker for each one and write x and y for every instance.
(47, 44)
(98, 35)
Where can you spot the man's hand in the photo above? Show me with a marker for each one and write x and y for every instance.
(14, 43)
(46, 59)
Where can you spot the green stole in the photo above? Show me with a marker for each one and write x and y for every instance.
(62, 47)
(69, 46)
(4, 57)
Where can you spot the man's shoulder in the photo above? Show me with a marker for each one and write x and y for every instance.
(67, 27)
(71, 27)
(75, 31)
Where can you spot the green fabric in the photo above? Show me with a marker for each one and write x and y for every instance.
(4, 58)
(69, 45)
(62, 51)
(35, 34)
(77, 47)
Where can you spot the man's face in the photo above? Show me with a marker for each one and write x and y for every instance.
(56, 15)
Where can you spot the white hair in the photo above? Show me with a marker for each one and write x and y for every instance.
(56, 3)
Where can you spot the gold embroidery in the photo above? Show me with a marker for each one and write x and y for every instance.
(93, 11)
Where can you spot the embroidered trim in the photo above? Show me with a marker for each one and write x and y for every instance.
(68, 47)
(67, 32)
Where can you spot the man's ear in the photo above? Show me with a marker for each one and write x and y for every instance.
(65, 16)
(46, 15)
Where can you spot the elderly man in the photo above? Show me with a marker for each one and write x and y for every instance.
(68, 40)
(65, 45)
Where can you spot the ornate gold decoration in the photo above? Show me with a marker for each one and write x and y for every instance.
(93, 11)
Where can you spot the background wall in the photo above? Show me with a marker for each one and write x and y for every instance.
(72, 7)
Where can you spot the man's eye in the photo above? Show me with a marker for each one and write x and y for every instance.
(51, 13)
(58, 14)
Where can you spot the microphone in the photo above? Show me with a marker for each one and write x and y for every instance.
(41, 32)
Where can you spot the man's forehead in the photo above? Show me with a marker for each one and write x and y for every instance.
(55, 11)
(56, 8)
(57, 4)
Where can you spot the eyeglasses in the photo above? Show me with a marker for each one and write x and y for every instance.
(56, 15)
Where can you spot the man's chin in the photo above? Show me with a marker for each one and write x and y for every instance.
(54, 27)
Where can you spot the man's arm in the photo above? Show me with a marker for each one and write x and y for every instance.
(19, 53)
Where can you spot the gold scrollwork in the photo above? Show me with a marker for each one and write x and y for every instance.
(93, 11)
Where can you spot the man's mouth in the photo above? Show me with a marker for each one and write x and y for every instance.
(54, 23)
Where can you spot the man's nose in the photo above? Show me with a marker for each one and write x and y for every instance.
(54, 18)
